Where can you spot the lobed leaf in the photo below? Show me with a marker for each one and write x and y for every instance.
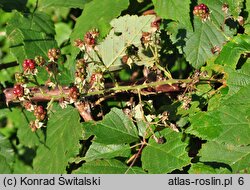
(101, 12)
(237, 157)
(198, 46)
(229, 123)
(20, 120)
(103, 151)
(62, 141)
(177, 10)
(164, 158)
(6, 154)
(127, 31)
(4, 166)
(238, 78)
(209, 34)
(231, 52)
(115, 128)
(35, 32)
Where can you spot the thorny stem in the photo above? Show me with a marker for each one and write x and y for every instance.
(136, 87)
(45, 94)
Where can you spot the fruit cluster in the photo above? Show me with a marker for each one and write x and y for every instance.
(90, 37)
(18, 90)
(73, 93)
(20, 78)
(53, 54)
(80, 69)
(202, 11)
(40, 60)
(89, 41)
(29, 66)
(40, 113)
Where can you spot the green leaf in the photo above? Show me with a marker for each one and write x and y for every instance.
(231, 52)
(199, 45)
(238, 78)
(6, 152)
(21, 168)
(177, 10)
(65, 77)
(4, 166)
(24, 133)
(164, 158)
(62, 142)
(20, 120)
(114, 46)
(101, 12)
(218, 16)
(229, 123)
(235, 7)
(209, 168)
(200, 168)
(103, 151)
(178, 33)
(237, 157)
(60, 3)
(209, 34)
(30, 35)
(110, 166)
(63, 32)
(115, 128)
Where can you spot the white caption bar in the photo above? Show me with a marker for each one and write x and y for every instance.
(125, 182)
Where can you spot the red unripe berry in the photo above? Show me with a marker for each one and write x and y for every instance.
(201, 11)
(18, 90)
(25, 64)
(40, 109)
(32, 64)
(29, 64)
(73, 93)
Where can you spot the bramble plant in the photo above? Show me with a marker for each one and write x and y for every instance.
(123, 86)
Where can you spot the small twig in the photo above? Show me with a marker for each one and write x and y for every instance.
(136, 156)
(166, 72)
(84, 110)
